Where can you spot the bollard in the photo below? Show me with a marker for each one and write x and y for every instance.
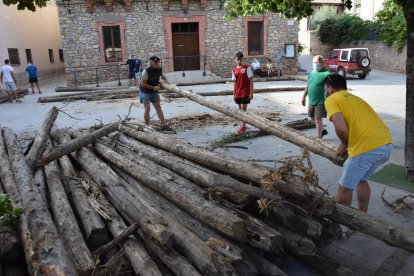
(96, 74)
(74, 76)
(119, 76)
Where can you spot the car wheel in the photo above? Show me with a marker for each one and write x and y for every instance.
(362, 76)
(364, 62)
(341, 71)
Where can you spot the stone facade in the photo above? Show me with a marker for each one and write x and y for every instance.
(148, 32)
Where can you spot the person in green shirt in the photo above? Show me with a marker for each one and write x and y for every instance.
(316, 93)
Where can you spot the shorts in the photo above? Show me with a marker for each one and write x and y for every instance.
(279, 65)
(10, 85)
(32, 80)
(131, 75)
(361, 167)
(244, 100)
(145, 98)
(317, 111)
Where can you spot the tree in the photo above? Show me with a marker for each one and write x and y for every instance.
(26, 4)
(299, 9)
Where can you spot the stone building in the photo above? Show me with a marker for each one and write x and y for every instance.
(97, 36)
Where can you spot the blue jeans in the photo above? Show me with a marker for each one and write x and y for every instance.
(361, 167)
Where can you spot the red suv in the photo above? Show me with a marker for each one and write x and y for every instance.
(354, 61)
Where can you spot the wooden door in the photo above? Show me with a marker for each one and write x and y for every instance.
(186, 46)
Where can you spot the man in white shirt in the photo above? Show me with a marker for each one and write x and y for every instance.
(9, 80)
(256, 67)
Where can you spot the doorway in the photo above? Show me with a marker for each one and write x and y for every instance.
(186, 46)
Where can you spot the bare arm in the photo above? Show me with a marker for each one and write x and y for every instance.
(14, 78)
(1, 77)
(144, 84)
(341, 130)
(305, 93)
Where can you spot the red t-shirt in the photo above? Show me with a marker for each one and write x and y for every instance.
(242, 81)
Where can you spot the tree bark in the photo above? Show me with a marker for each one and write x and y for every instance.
(171, 258)
(298, 138)
(47, 245)
(229, 165)
(85, 95)
(115, 190)
(234, 255)
(40, 182)
(185, 168)
(10, 187)
(4, 98)
(84, 89)
(409, 110)
(41, 137)
(66, 222)
(183, 194)
(140, 261)
(76, 144)
(372, 226)
(205, 259)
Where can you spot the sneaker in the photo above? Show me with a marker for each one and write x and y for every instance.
(241, 130)
(324, 132)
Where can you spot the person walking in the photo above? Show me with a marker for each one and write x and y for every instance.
(7, 75)
(149, 88)
(242, 76)
(280, 56)
(131, 62)
(31, 71)
(364, 138)
(316, 93)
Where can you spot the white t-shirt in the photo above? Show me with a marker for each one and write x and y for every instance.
(256, 64)
(6, 70)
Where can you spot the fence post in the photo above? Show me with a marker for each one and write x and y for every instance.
(183, 66)
(96, 74)
(204, 66)
(119, 76)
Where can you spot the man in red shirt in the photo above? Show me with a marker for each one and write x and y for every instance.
(243, 86)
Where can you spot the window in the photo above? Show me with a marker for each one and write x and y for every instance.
(61, 55)
(14, 56)
(255, 38)
(184, 27)
(29, 55)
(344, 55)
(112, 43)
(51, 58)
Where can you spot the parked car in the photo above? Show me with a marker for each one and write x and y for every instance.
(354, 61)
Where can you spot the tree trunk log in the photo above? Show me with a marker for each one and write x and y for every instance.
(10, 187)
(298, 138)
(94, 229)
(229, 165)
(140, 261)
(207, 261)
(41, 138)
(183, 194)
(47, 245)
(76, 144)
(66, 222)
(114, 187)
(84, 89)
(4, 98)
(40, 182)
(372, 226)
(234, 255)
(85, 95)
(187, 169)
(177, 263)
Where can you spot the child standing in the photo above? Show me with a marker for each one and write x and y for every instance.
(269, 67)
(242, 76)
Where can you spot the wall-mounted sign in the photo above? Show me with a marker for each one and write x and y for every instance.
(290, 50)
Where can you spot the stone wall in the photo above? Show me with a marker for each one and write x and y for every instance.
(145, 35)
(383, 57)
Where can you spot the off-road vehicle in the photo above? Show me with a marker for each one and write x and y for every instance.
(354, 61)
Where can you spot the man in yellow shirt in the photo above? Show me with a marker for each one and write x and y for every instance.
(363, 135)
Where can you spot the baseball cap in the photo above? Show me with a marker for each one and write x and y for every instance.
(154, 58)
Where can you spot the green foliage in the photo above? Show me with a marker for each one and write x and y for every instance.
(325, 12)
(343, 29)
(394, 32)
(289, 8)
(26, 4)
(8, 214)
(301, 47)
(388, 11)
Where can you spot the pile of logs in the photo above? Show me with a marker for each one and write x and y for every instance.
(120, 198)
(4, 98)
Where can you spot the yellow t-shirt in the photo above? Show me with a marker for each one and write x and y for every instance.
(366, 130)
